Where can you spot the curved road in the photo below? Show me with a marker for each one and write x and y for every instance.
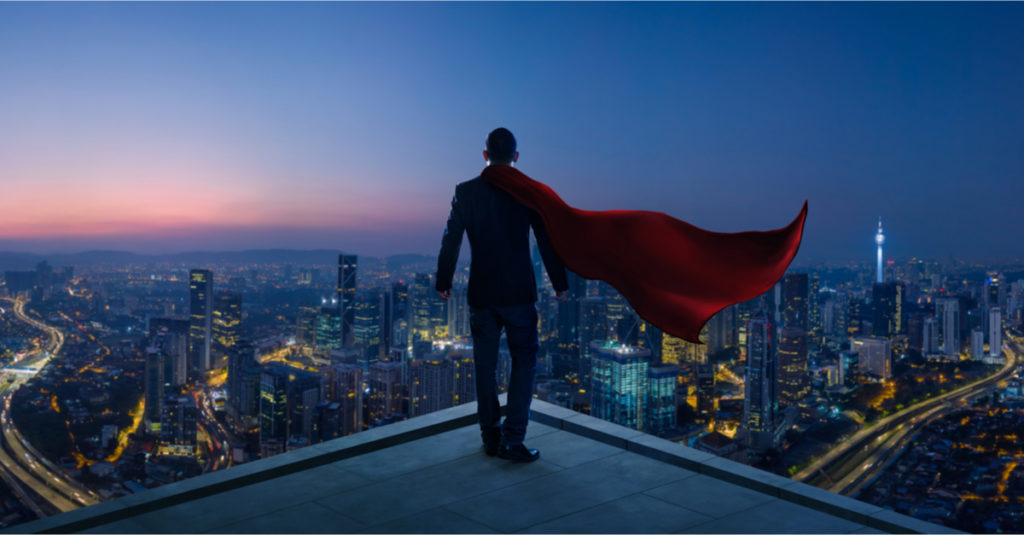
(18, 457)
(886, 424)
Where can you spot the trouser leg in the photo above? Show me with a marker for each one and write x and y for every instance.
(521, 331)
(486, 332)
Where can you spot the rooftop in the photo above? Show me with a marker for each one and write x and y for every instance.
(429, 474)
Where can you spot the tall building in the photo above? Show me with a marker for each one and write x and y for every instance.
(386, 392)
(948, 311)
(200, 320)
(154, 388)
(305, 390)
(887, 306)
(171, 337)
(399, 313)
(273, 407)
(705, 392)
(347, 389)
(794, 379)
(178, 426)
(431, 384)
(930, 336)
(367, 329)
(977, 344)
(995, 332)
(458, 312)
(422, 297)
(619, 383)
(328, 328)
(243, 379)
(347, 297)
(722, 330)
(569, 324)
(760, 402)
(660, 406)
(874, 355)
(879, 239)
(227, 320)
(794, 300)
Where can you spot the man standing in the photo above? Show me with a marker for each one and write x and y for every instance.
(502, 293)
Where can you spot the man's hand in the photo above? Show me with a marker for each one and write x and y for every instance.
(562, 295)
(444, 295)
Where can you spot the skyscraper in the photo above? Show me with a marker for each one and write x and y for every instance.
(154, 388)
(930, 336)
(422, 296)
(386, 391)
(760, 404)
(995, 332)
(948, 310)
(887, 308)
(660, 406)
(328, 328)
(243, 379)
(347, 297)
(227, 319)
(178, 426)
(200, 320)
(879, 239)
(794, 300)
(273, 406)
(400, 316)
(619, 383)
(367, 329)
(794, 381)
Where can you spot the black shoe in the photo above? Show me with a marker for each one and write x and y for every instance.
(491, 448)
(519, 452)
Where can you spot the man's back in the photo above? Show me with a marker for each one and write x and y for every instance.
(501, 270)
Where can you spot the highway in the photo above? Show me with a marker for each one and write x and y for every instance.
(854, 459)
(21, 461)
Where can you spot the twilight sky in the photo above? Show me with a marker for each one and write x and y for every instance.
(162, 127)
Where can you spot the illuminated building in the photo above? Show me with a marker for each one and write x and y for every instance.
(887, 305)
(200, 320)
(722, 330)
(464, 368)
(619, 383)
(431, 384)
(328, 328)
(422, 298)
(948, 311)
(794, 382)
(995, 333)
(347, 297)
(848, 365)
(347, 389)
(564, 361)
(305, 390)
(273, 404)
(171, 337)
(874, 355)
(399, 316)
(227, 319)
(243, 382)
(977, 344)
(178, 426)
(760, 404)
(794, 300)
(705, 392)
(367, 329)
(879, 239)
(660, 406)
(386, 391)
(305, 327)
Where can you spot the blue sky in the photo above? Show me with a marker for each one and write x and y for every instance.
(182, 126)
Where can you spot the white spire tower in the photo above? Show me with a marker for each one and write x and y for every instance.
(879, 239)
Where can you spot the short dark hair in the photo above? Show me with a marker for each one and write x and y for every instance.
(501, 146)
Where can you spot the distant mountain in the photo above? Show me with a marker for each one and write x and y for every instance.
(21, 261)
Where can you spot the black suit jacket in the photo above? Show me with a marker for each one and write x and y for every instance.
(498, 226)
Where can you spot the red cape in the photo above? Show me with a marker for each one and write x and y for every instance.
(675, 275)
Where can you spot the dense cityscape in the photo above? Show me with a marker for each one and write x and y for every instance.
(898, 383)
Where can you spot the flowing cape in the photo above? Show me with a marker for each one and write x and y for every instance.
(675, 275)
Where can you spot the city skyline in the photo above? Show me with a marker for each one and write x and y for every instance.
(161, 128)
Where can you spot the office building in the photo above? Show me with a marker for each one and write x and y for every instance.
(794, 379)
(874, 355)
(619, 383)
(367, 329)
(386, 392)
(178, 426)
(760, 403)
(995, 333)
(347, 297)
(227, 320)
(660, 406)
(977, 344)
(948, 311)
(200, 321)
(794, 300)
(887, 308)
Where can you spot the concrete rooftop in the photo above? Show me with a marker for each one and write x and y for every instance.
(430, 475)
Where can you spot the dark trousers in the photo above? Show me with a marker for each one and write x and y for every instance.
(520, 324)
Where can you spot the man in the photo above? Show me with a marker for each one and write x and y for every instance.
(502, 293)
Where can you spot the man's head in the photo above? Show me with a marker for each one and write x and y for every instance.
(501, 147)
